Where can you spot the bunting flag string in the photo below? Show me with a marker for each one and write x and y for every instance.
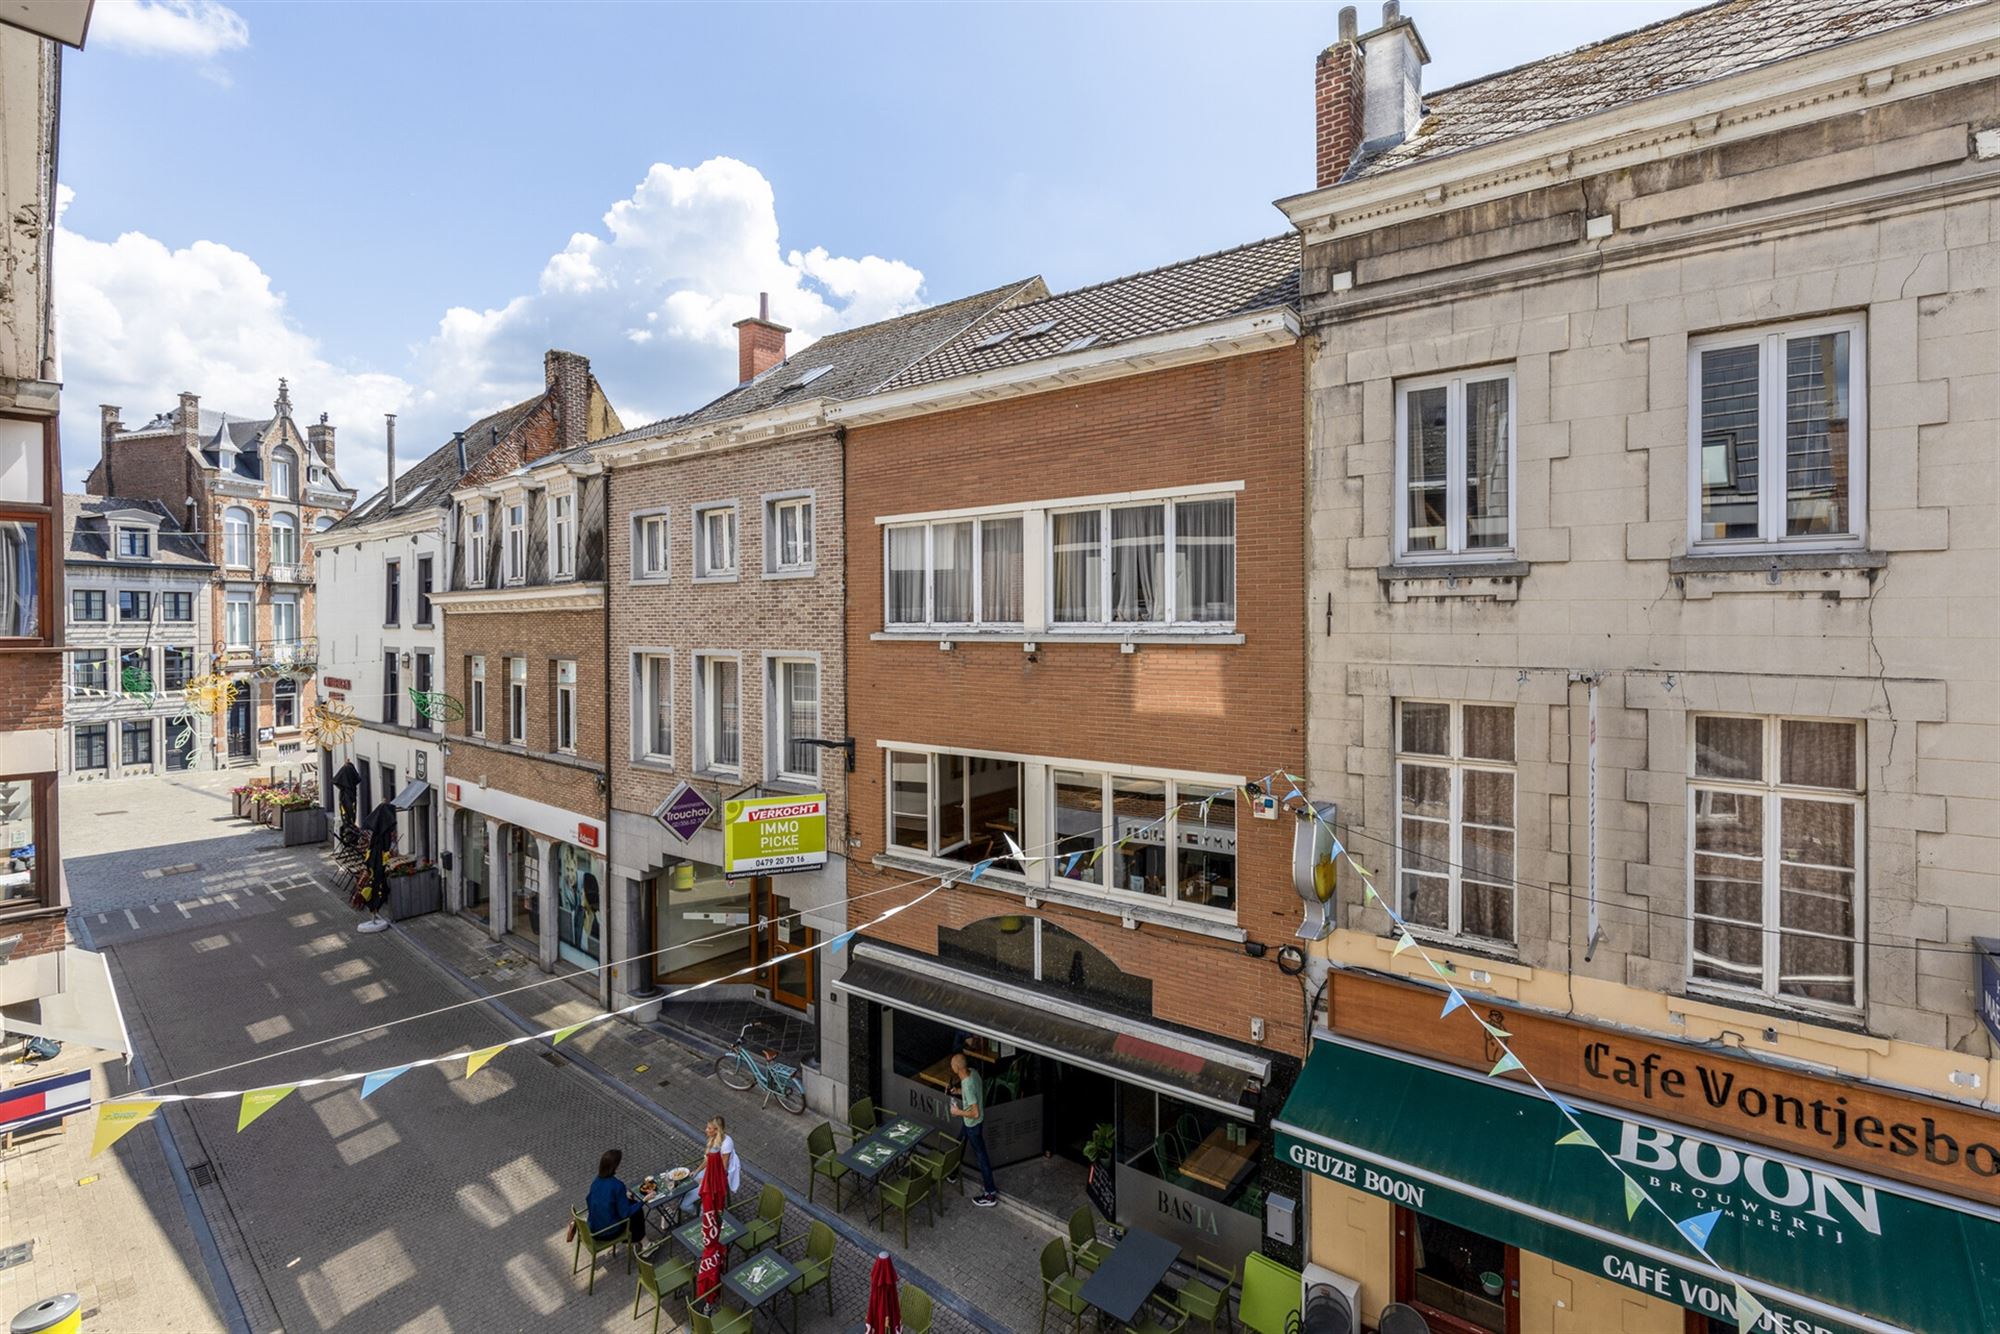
(256, 1102)
(476, 1061)
(1695, 1230)
(377, 1079)
(116, 1120)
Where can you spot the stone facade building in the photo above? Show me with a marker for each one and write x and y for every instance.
(139, 629)
(1075, 560)
(253, 493)
(1652, 506)
(524, 650)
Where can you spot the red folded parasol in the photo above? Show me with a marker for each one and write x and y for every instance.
(885, 1305)
(714, 1195)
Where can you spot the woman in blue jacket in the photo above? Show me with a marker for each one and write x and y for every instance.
(610, 1206)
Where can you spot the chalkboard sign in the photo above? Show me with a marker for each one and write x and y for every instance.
(1103, 1191)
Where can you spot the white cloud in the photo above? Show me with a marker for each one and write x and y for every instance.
(653, 298)
(139, 322)
(191, 29)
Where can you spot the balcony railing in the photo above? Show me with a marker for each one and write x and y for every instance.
(298, 656)
(288, 574)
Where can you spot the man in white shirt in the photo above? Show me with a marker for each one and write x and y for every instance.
(718, 1142)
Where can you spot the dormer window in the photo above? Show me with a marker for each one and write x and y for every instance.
(284, 473)
(135, 543)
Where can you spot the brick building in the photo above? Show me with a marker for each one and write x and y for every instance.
(1075, 537)
(524, 635)
(138, 630)
(728, 569)
(253, 493)
(1652, 503)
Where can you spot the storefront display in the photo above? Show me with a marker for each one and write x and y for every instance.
(711, 927)
(579, 905)
(473, 871)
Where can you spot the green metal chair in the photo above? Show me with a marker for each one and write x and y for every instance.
(916, 1310)
(662, 1278)
(862, 1118)
(1159, 1316)
(943, 1168)
(816, 1270)
(1205, 1297)
(767, 1226)
(586, 1240)
(904, 1192)
(1060, 1286)
(1085, 1250)
(721, 1321)
(825, 1163)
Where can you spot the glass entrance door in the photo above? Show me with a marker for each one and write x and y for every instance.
(240, 744)
(778, 932)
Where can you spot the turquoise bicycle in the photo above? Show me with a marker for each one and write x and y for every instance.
(742, 1069)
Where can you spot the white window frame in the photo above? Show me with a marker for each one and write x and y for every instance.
(777, 713)
(145, 542)
(424, 678)
(1456, 764)
(704, 572)
(776, 505)
(978, 620)
(288, 523)
(562, 534)
(515, 552)
(644, 661)
(248, 602)
(239, 526)
(705, 717)
(285, 465)
(1769, 339)
(661, 520)
(478, 693)
(565, 707)
(1771, 790)
(392, 607)
(1169, 593)
(1456, 552)
(517, 701)
(279, 640)
(475, 547)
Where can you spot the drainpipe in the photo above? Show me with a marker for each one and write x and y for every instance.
(605, 888)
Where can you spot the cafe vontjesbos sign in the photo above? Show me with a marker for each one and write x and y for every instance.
(773, 835)
(1864, 1127)
(1825, 1250)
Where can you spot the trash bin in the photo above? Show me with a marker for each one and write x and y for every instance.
(57, 1315)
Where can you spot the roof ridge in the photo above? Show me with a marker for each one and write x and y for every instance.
(1629, 33)
(1181, 263)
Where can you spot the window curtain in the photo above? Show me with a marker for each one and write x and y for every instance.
(1486, 467)
(1205, 560)
(906, 576)
(20, 576)
(951, 573)
(1138, 563)
(1078, 565)
(1000, 554)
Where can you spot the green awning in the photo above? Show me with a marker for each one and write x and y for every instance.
(1481, 1153)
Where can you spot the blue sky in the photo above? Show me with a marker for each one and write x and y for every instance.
(400, 206)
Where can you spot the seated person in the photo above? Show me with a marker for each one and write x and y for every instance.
(610, 1207)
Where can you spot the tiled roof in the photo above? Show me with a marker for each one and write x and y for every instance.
(428, 483)
(1249, 278)
(89, 533)
(845, 364)
(1688, 49)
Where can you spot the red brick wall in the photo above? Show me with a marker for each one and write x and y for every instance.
(31, 690)
(1337, 94)
(1222, 708)
(543, 638)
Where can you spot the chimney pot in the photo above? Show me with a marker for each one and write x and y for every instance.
(1350, 23)
(389, 443)
(1391, 11)
(764, 306)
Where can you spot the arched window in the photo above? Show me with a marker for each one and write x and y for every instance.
(284, 540)
(322, 523)
(284, 473)
(237, 544)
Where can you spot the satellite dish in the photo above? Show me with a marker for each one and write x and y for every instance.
(1326, 1311)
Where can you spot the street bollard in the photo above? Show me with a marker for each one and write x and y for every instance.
(60, 1314)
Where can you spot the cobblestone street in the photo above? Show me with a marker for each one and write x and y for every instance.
(440, 1202)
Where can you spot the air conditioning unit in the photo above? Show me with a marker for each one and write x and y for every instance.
(1329, 1303)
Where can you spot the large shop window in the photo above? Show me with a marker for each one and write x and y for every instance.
(1779, 445)
(1775, 830)
(26, 880)
(1455, 467)
(1191, 1148)
(1460, 1280)
(1456, 821)
(1167, 839)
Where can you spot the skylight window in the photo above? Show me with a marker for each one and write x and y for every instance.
(805, 379)
(995, 339)
(1078, 344)
(420, 489)
(1037, 330)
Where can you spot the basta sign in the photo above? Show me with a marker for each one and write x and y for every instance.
(1860, 1126)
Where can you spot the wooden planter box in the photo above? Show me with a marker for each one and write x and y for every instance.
(305, 825)
(240, 803)
(266, 814)
(414, 894)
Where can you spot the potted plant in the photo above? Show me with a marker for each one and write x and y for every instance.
(239, 800)
(302, 819)
(414, 888)
(1099, 1146)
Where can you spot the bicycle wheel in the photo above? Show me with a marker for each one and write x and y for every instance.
(733, 1069)
(793, 1097)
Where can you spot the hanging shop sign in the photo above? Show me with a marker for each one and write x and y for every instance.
(336, 683)
(773, 835)
(684, 812)
(1865, 1127)
(1989, 983)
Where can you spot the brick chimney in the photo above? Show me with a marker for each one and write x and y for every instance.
(320, 436)
(568, 383)
(760, 344)
(189, 420)
(1337, 94)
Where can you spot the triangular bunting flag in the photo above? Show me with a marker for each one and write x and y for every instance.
(1403, 942)
(1508, 1061)
(375, 1080)
(476, 1061)
(259, 1101)
(1293, 778)
(1359, 869)
(115, 1120)
(556, 1038)
(1095, 853)
(839, 942)
(1576, 1137)
(1338, 850)
(1493, 1032)
(1634, 1197)
(1567, 1110)
(1368, 891)
(1444, 968)
(1452, 1002)
(980, 869)
(1069, 864)
(1014, 851)
(1696, 1229)
(1295, 795)
(1749, 1311)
